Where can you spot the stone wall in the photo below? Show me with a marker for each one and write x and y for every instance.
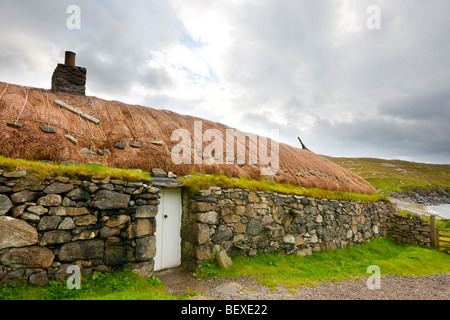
(70, 79)
(96, 223)
(245, 222)
(409, 229)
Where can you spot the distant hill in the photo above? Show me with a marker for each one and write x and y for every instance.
(396, 175)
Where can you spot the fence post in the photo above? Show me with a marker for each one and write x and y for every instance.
(433, 230)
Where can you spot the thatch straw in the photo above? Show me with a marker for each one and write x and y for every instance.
(122, 121)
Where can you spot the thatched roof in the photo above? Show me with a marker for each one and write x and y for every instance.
(121, 121)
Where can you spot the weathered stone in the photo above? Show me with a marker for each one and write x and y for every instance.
(254, 227)
(28, 257)
(16, 233)
(58, 211)
(108, 200)
(200, 232)
(38, 279)
(145, 248)
(67, 224)
(86, 235)
(144, 269)
(147, 211)
(86, 220)
(252, 197)
(249, 212)
(67, 202)
(139, 228)
(117, 255)
(210, 217)
(53, 237)
(225, 203)
(18, 210)
(158, 172)
(39, 210)
(82, 250)
(70, 211)
(198, 206)
(222, 233)
(31, 217)
(223, 259)
(4, 189)
(15, 174)
(232, 218)
(289, 238)
(202, 252)
(112, 241)
(118, 220)
(101, 179)
(5, 204)
(58, 187)
(90, 187)
(78, 194)
(50, 200)
(107, 232)
(24, 196)
(48, 223)
(13, 276)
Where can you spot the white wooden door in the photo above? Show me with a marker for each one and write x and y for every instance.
(168, 224)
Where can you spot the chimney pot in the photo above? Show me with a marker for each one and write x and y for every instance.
(70, 59)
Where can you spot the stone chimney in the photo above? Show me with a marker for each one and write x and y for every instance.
(69, 78)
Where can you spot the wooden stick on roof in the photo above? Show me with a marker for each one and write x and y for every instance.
(303, 146)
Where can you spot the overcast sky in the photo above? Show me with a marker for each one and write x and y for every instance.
(309, 68)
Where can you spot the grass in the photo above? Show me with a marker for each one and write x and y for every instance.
(120, 285)
(42, 170)
(198, 182)
(352, 262)
(396, 175)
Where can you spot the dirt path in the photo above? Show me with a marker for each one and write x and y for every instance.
(433, 287)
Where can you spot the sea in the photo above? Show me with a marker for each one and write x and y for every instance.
(442, 210)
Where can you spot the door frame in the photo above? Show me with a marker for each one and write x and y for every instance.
(160, 263)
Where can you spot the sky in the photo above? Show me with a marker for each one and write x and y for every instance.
(351, 78)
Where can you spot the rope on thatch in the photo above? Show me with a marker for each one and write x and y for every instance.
(16, 123)
(1, 95)
(98, 116)
(145, 114)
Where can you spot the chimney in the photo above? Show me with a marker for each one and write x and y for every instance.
(70, 58)
(68, 77)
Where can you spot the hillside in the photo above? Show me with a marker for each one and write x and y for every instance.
(391, 176)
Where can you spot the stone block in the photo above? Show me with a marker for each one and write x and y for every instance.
(82, 250)
(145, 248)
(5, 204)
(50, 200)
(16, 233)
(28, 257)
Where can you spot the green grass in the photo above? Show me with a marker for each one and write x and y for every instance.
(397, 175)
(294, 271)
(120, 285)
(43, 170)
(199, 182)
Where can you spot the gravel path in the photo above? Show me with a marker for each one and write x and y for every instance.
(433, 287)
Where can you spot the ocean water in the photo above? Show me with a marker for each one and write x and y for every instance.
(442, 210)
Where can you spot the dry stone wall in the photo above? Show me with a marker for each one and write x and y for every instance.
(245, 222)
(409, 229)
(96, 223)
